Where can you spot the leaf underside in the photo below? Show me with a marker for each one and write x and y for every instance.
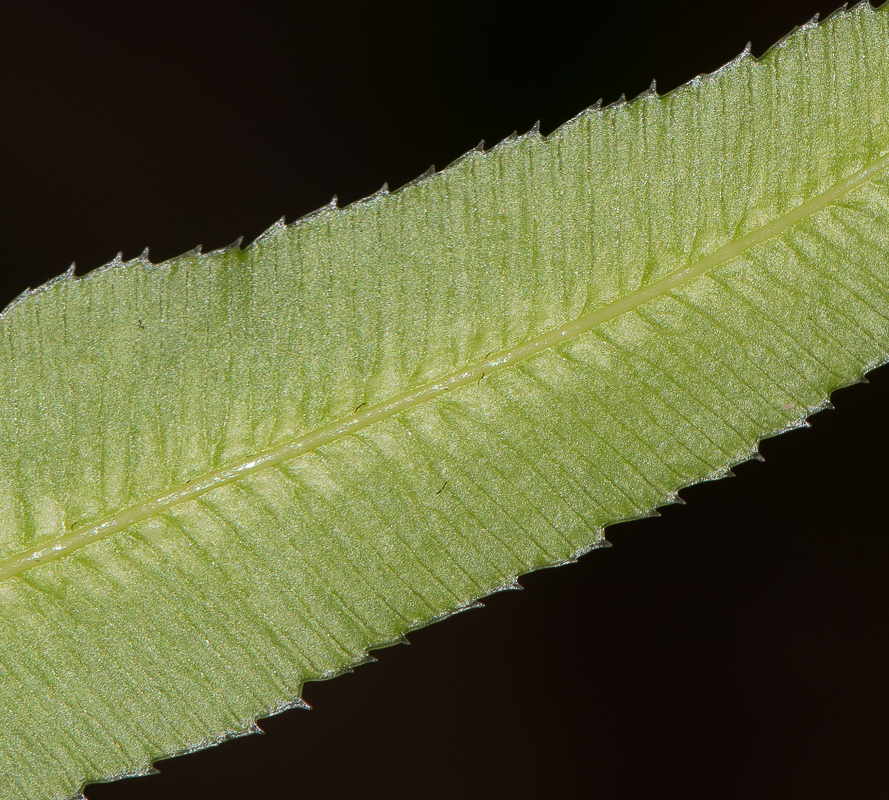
(231, 473)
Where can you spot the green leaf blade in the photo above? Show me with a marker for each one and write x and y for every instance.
(202, 613)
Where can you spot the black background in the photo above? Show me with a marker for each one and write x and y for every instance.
(735, 647)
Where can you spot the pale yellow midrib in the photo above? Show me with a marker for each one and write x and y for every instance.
(18, 563)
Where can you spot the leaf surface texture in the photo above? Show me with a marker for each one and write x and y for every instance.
(230, 473)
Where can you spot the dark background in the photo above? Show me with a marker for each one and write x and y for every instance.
(733, 648)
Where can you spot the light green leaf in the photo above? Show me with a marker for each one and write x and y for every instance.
(231, 473)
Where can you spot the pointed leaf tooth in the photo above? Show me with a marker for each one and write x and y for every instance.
(289, 705)
(195, 251)
(594, 108)
(325, 209)
(471, 153)
(378, 195)
(510, 585)
(424, 176)
(233, 246)
(21, 297)
(841, 10)
(648, 93)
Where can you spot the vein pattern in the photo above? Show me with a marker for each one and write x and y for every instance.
(67, 543)
(128, 394)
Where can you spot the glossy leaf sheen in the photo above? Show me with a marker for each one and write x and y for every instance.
(228, 474)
